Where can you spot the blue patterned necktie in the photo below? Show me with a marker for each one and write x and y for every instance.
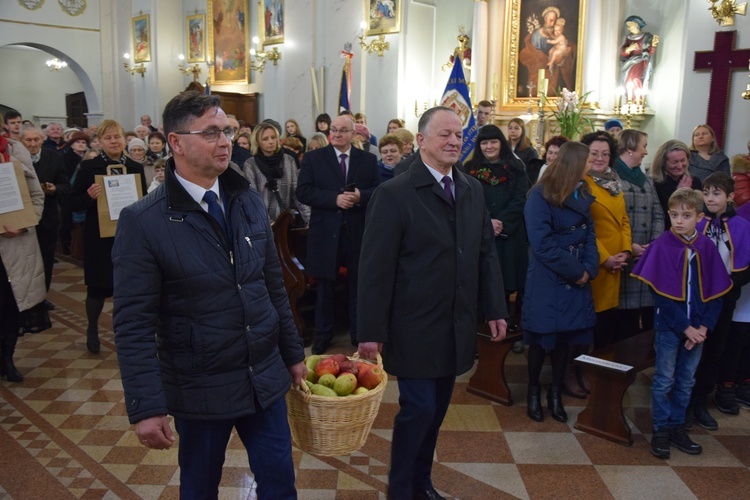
(215, 211)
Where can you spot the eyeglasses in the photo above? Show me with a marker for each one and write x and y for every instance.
(340, 130)
(605, 156)
(211, 134)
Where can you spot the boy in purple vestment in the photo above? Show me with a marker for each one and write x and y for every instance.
(731, 235)
(687, 278)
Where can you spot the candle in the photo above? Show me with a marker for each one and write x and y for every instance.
(540, 76)
(542, 86)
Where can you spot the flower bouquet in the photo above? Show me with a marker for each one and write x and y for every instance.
(568, 111)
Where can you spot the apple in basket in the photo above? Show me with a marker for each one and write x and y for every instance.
(327, 365)
(370, 378)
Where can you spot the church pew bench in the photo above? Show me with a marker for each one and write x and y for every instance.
(603, 416)
(488, 380)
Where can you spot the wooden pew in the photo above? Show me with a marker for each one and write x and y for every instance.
(604, 416)
(488, 380)
(295, 280)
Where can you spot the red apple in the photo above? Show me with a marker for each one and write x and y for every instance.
(370, 378)
(363, 366)
(327, 365)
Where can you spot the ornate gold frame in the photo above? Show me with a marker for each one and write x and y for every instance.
(140, 58)
(513, 39)
(200, 18)
(244, 48)
(268, 40)
(373, 31)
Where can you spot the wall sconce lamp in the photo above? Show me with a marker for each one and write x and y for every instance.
(56, 64)
(262, 57)
(194, 70)
(138, 68)
(378, 44)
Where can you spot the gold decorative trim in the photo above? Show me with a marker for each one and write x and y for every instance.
(31, 4)
(73, 7)
(44, 25)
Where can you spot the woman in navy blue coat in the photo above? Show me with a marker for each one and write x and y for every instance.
(559, 306)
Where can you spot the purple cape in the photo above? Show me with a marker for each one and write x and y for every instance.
(738, 231)
(664, 267)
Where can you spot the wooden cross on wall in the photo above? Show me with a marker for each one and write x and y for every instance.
(721, 62)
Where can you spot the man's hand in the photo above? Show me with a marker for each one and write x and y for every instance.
(155, 433)
(298, 373)
(49, 188)
(11, 232)
(497, 226)
(583, 279)
(356, 196)
(369, 350)
(345, 200)
(498, 329)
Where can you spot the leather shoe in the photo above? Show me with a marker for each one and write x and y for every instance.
(571, 386)
(321, 345)
(49, 305)
(534, 403)
(428, 494)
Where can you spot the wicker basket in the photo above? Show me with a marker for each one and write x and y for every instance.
(330, 426)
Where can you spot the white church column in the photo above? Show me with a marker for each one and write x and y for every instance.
(479, 50)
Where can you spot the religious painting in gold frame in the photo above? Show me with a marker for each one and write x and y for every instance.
(141, 39)
(271, 27)
(196, 38)
(382, 17)
(228, 41)
(539, 36)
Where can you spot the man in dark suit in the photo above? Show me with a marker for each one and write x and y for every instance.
(428, 259)
(336, 182)
(50, 169)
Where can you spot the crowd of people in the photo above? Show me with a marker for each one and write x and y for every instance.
(549, 240)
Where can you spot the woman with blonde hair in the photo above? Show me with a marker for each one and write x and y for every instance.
(706, 157)
(97, 259)
(564, 258)
(317, 140)
(273, 173)
(670, 172)
(407, 138)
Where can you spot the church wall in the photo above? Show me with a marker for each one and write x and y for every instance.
(61, 35)
(32, 88)
(700, 28)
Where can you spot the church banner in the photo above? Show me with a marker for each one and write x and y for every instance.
(456, 97)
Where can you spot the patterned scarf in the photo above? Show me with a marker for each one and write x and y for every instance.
(110, 161)
(608, 180)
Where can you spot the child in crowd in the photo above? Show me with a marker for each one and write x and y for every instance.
(159, 167)
(391, 149)
(731, 235)
(687, 278)
(734, 371)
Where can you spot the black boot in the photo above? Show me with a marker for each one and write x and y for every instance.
(94, 308)
(534, 403)
(660, 443)
(724, 399)
(554, 403)
(7, 367)
(702, 416)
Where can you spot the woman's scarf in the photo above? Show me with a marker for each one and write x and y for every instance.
(4, 150)
(633, 175)
(607, 180)
(271, 167)
(110, 161)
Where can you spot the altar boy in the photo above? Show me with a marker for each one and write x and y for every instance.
(687, 279)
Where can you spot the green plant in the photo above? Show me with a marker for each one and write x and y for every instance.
(568, 111)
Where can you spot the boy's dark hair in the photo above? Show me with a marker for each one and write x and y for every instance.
(11, 114)
(720, 180)
(688, 198)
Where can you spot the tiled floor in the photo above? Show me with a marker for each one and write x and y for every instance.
(64, 434)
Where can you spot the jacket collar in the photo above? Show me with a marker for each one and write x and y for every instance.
(421, 177)
(232, 184)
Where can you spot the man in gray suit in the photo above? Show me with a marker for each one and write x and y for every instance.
(428, 258)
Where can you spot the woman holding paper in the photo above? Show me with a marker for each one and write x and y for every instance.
(97, 251)
(21, 271)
